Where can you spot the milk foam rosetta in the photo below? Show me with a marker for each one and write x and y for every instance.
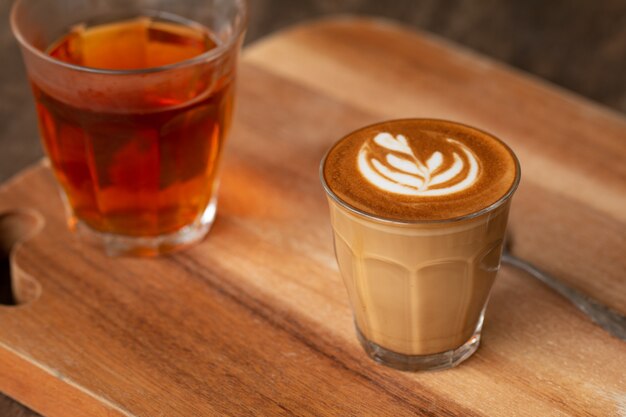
(402, 172)
(420, 169)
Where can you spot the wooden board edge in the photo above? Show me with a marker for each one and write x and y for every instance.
(23, 174)
(433, 38)
(47, 392)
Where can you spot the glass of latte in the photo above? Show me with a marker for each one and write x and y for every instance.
(419, 211)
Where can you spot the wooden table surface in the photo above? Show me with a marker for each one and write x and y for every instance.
(255, 320)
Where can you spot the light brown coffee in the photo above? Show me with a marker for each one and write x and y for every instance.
(414, 167)
(419, 265)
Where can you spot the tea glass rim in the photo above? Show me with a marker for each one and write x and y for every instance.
(211, 54)
(393, 221)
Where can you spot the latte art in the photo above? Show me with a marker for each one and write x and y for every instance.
(398, 170)
(419, 170)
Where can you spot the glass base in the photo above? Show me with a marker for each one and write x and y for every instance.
(436, 361)
(120, 245)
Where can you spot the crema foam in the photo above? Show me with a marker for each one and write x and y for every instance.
(418, 169)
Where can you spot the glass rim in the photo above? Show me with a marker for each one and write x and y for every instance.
(242, 6)
(393, 221)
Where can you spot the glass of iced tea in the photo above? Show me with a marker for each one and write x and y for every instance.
(134, 99)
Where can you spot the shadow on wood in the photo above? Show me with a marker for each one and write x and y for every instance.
(16, 227)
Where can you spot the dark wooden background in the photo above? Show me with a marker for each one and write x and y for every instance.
(577, 44)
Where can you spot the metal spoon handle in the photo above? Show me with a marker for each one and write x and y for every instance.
(610, 320)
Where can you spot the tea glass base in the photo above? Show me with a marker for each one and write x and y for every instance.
(120, 245)
(436, 361)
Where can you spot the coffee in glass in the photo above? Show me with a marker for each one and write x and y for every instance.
(419, 210)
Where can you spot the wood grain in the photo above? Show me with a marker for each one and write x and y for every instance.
(255, 320)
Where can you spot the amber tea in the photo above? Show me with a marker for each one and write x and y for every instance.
(146, 171)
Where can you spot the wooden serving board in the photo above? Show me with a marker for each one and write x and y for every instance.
(255, 320)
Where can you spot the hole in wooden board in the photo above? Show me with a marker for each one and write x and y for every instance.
(16, 287)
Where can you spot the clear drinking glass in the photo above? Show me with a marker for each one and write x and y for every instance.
(133, 111)
(418, 289)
